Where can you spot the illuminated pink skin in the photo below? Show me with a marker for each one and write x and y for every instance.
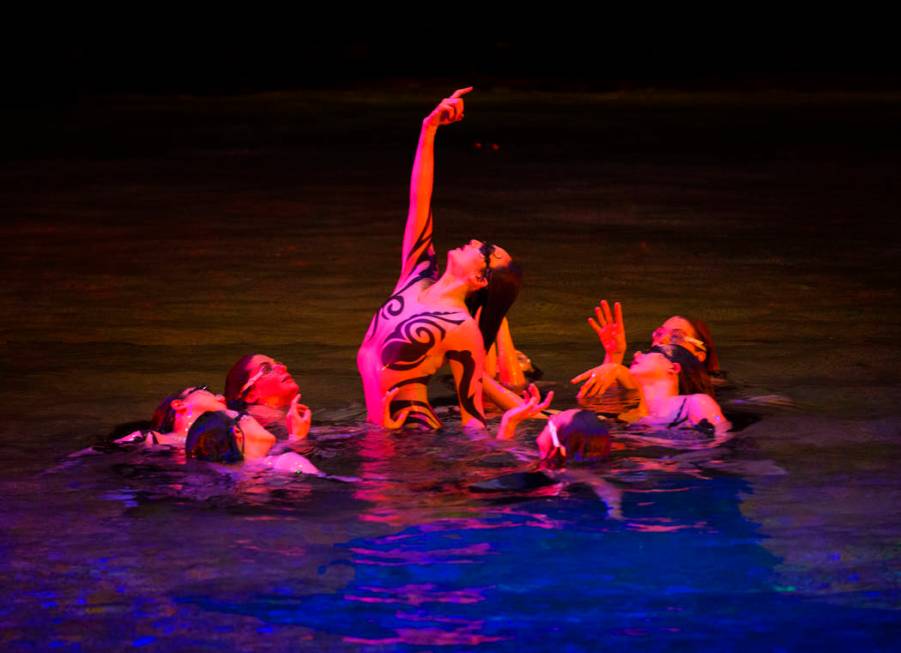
(193, 406)
(256, 442)
(611, 331)
(531, 407)
(277, 389)
(425, 322)
(657, 380)
(187, 409)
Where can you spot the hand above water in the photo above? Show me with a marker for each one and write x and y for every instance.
(611, 330)
(298, 419)
(531, 407)
(449, 110)
(597, 379)
(397, 421)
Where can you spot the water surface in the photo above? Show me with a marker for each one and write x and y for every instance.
(150, 242)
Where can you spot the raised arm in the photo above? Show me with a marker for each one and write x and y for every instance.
(418, 253)
(611, 330)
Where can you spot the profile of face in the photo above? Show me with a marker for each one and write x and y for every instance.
(474, 260)
(654, 366)
(178, 410)
(679, 331)
(197, 401)
(268, 382)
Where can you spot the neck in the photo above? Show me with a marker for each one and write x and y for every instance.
(182, 425)
(448, 289)
(657, 393)
(271, 403)
(257, 447)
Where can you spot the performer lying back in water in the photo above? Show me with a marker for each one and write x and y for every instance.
(428, 319)
(661, 376)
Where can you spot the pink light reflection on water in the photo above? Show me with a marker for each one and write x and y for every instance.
(664, 527)
(462, 632)
(417, 595)
(401, 557)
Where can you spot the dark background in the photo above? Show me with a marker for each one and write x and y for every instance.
(163, 53)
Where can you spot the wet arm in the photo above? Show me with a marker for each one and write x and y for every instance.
(418, 246)
(466, 357)
(509, 371)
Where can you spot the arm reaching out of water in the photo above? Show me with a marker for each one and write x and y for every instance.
(298, 419)
(599, 378)
(611, 330)
(531, 406)
(467, 359)
(398, 421)
(418, 253)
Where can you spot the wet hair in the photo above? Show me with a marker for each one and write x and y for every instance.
(495, 300)
(212, 438)
(584, 435)
(163, 420)
(235, 379)
(712, 362)
(693, 377)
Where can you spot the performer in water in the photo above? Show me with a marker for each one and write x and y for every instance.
(429, 319)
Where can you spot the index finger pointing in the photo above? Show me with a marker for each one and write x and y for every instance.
(461, 92)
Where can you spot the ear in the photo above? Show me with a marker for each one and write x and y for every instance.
(677, 368)
(477, 281)
(250, 397)
(178, 405)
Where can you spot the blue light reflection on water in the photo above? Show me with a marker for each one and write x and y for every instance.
(409, 560)
(558, 585)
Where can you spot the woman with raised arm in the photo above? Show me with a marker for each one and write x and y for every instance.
(428, 319)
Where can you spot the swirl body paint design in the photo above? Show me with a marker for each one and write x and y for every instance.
(425, 268)
(410, 343)
(466, 389)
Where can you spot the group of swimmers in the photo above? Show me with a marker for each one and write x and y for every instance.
(456, 317)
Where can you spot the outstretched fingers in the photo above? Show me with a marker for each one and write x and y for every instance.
(548, 398)
(618, 314)
(581, 377)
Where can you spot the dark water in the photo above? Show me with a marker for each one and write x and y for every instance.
(150, 242)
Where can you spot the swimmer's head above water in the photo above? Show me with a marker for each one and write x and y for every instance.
(692, 334)
(573, 435)
(674, 363)
(493, 279)
(183, 407)
(224, 437)
(216, 437)
(259, 379)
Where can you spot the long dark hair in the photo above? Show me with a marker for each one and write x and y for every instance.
(693, 377)
(212, 438)
(495, 300)
(712, 362)
(163, 420)
(235, 379)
